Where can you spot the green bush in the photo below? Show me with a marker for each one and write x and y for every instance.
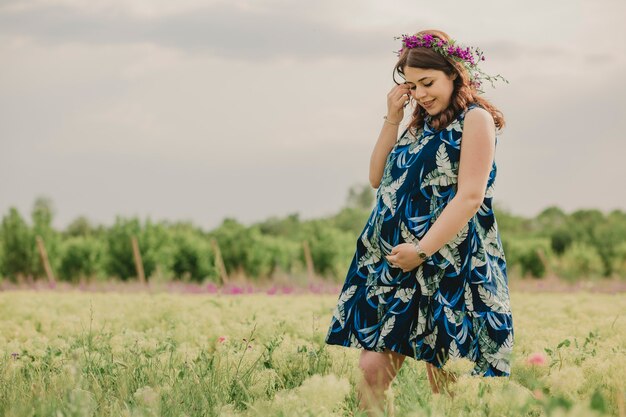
(560, 240)
(531, 255)
(192, 257)
(120, 260)
(265, 254)
(287, 227)
(581, 260)
(618, 265)
(82, 258)
(331, 249)
(233, 240)
(18, 244)
(351, 220)
(258, 260)
(153, 241)
(607, 237)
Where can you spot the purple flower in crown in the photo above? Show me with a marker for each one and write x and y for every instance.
(467, 56)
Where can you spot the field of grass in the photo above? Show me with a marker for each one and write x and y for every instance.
(162, 354)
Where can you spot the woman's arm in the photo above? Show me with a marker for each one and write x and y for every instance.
(477, 153)
(396, 100)
(386, 141)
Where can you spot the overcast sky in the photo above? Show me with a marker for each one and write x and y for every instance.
(201, 110)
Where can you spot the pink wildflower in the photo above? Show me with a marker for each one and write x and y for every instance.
(537, 358)
(287, 290)
(221, 339)
(235, 290)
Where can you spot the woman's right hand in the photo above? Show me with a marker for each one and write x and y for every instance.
(397, 98)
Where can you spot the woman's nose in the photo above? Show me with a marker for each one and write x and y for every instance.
(419, 93)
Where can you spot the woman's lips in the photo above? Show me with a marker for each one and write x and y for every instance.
(428, 103)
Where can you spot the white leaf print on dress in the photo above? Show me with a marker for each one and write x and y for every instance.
(428, 285)
(372, 254)
(456, 125)
(436, 207)
(406, 234)
(387, 328)
(450, 250)
(446, 172)
(469, 300)
(495, 302)
(388, 192)
(431, 339)
(377, 290)
(405, 294)
(454, 350)
(339, 312)
(490, 239)
(478, 258)
(409, 139)
(421, 323)
(452, 316)
(354, 341)
(419, 145)
(501, 359)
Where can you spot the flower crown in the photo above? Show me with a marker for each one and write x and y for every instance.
(468, 56)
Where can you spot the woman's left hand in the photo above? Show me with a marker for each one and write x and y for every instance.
(404, 256)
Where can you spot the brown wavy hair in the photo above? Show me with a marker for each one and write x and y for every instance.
(463, 92)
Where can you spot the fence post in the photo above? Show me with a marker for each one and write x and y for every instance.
(219, 262)
(309, 260)
(138, 263)
(43, 254)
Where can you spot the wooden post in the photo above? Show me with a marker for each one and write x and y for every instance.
(138, 262)
(219, 262)
(309, 260)
(43, 254)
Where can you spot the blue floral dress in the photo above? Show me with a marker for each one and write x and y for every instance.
(456, 304)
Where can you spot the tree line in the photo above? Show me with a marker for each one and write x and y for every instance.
(579, 245)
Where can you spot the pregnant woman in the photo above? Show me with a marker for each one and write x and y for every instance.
(428, 278)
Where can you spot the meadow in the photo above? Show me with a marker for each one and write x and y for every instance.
(80, 353)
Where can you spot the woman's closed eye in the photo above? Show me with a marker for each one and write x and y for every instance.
(425, 85)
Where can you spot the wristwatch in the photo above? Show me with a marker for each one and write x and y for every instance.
(422, 255)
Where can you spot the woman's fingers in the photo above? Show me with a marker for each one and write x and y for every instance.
(398, 96)
(393, 261)
(400, 93)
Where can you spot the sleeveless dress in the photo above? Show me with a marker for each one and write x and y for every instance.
(455, 304)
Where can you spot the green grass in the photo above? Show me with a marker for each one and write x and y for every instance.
(109, 354)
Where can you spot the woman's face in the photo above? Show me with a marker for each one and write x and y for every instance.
(432, 89)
